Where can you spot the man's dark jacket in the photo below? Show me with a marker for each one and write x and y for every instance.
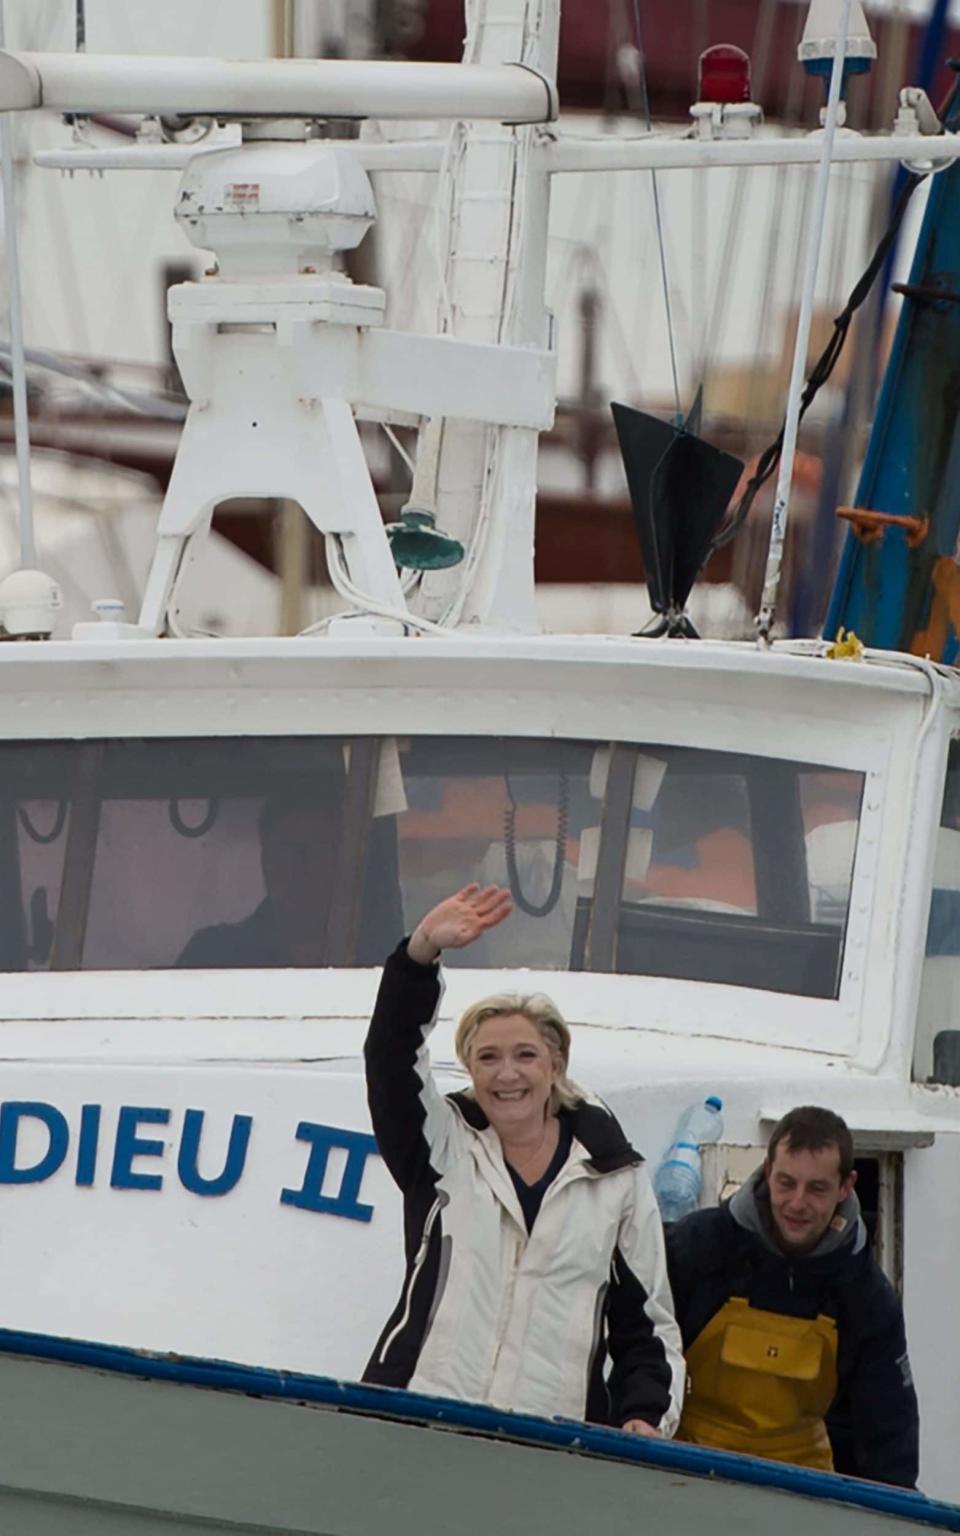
(728, 1251)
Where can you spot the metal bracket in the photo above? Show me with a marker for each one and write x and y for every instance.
(869, 526)
(927, 293)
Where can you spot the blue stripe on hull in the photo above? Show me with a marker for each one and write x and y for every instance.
(389, 1402)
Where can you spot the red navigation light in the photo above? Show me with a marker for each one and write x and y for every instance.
(724, 74)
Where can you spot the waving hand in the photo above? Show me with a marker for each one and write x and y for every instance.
(458, 920)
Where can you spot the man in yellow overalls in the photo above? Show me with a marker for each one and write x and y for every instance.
(789, 1324)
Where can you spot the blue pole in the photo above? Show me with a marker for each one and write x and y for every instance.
(930, 55)
(931, 46)
(885, 590)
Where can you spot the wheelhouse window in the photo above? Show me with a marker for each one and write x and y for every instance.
(314, 851)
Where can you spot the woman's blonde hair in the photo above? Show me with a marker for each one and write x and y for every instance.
(549, 1023)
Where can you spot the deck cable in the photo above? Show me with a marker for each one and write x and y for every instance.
(827, 361)
(823, 367)
(661, 244)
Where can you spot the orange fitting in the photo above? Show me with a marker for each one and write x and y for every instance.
(869, 526)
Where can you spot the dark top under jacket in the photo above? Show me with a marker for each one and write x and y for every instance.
(531, 1195)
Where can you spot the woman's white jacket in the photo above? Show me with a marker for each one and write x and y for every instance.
(488, 1312)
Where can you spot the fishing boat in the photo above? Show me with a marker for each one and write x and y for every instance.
(734, 864)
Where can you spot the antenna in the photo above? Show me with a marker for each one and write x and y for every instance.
(834, 48)
(29, 600)
(18, 367)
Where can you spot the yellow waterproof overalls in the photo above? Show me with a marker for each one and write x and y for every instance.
(761, 1383)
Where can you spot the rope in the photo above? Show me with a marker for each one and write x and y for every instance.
(791, 425)
(658, 219)
(824, 366)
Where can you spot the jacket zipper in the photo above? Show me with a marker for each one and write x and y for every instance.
(506, 1308)
(414, 1273)
(567, 1175)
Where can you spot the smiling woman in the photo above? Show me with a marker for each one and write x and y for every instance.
(534, 1250)
(516, 1050)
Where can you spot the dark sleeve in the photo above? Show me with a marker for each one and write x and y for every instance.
(647, 1378)
(884, 1420)
(410, 1118)
(678, 1271)
(696, 1250)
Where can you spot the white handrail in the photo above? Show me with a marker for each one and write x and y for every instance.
(401, 155)
(664, 153)
(566, 154)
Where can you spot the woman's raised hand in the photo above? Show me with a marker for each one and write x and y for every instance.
(458, 921)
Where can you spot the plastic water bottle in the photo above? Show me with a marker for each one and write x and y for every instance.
(677, 1181)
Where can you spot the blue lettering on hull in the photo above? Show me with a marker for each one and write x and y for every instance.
(87, 1144)
(322, 1138)
(47, 1125)
(12, 1117)
(129, 1145)
(234, 1162)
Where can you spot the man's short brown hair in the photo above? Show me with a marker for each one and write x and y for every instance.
(809, 1129)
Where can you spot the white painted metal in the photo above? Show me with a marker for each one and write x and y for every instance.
(662, 152)
(284, 1046)
(571, 152)
(931, 1240)
(590, 688)
(825, 26)
(356, 88)
(404, 155)
(273, 356)
(381, 370)
(275, 206)
(494, 257)
(29, 604)
(28, 550)
(254, 408)
(294, 1038)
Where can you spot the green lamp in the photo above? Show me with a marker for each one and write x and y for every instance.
(417, 544)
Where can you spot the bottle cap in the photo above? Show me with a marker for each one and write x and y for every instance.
(714, 1102)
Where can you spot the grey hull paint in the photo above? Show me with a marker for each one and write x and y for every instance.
(85, 1450)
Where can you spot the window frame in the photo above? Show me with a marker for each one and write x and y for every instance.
(772, 786)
